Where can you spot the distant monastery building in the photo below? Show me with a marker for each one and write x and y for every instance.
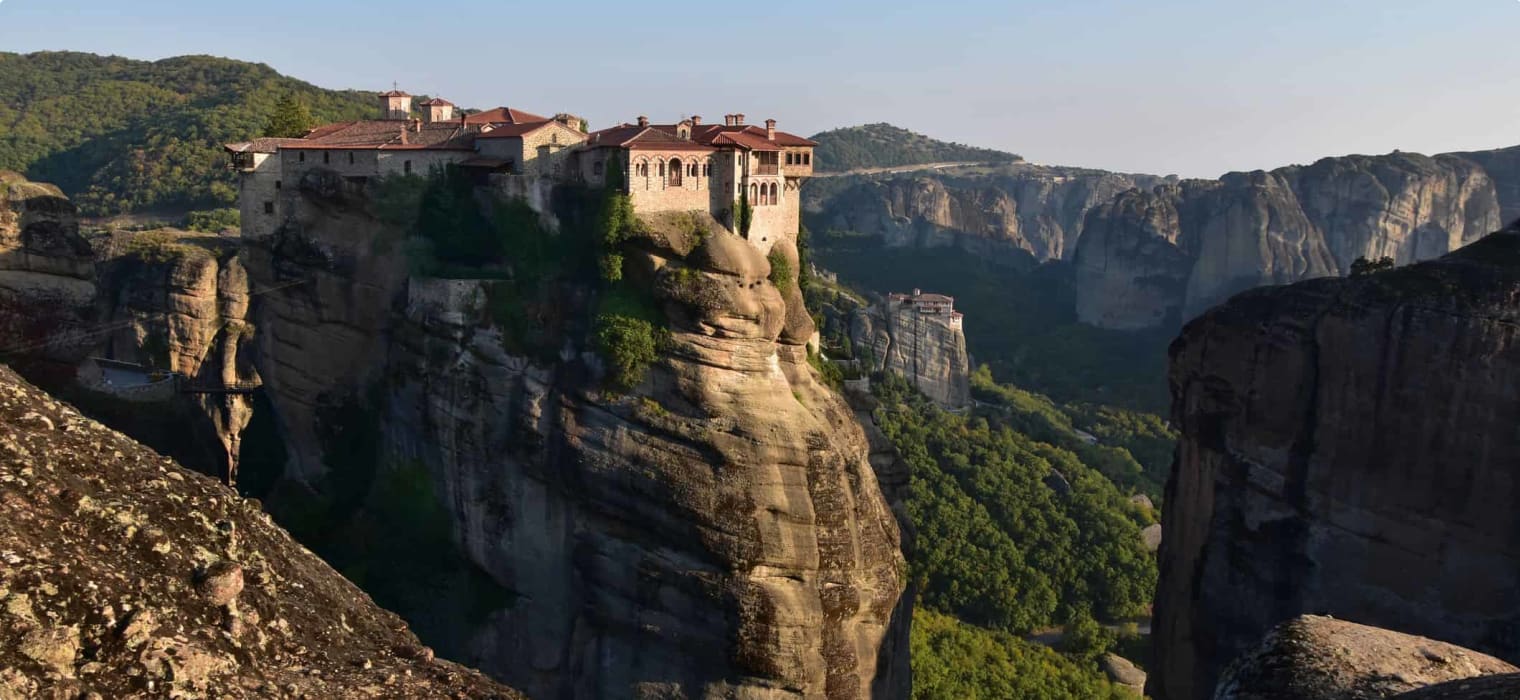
(681, 167)
(928, 305)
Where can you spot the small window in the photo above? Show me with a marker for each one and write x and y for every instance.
(350, 158)
(303, 156)
(406, 167)
(807, 159)
(596, 168)
(277, 184)
(554, 137)
(326, 158)
(268, 207)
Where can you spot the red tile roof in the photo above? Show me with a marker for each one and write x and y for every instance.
(512, 130)
(503, 115)
(385, 134)
(634, 137)
(394, 93)
(438, 102)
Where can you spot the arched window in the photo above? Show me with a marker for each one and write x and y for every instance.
(662, 168)
(774, 200)
(754, 194)
(675, 172)
(692, 169)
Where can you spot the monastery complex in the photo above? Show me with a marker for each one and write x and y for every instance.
(681, 167)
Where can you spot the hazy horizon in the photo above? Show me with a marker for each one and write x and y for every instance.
(1171, 87)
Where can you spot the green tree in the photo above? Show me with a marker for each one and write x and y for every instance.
(781, 268)
(746, 213)
(291, 118)
(1363, 266)
(1084, 639)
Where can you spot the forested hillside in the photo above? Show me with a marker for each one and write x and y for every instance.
(884, 145)
(120, 135)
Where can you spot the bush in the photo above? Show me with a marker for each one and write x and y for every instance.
(1363, 266)
(781, 268)
(214, 220)
(628, 345)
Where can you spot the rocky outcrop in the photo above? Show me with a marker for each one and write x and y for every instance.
(181, 302)
(1502, 687)
(1321, 658)
(1347, 448)
(125, 575)
(1188, 247)
(715, 532)
(1011, 213)
(929, 349)
(1150, 252)
(47, 274)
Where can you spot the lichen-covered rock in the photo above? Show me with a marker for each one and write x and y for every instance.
(1320, 658)
(100, 543)
(1500, 687)
(1347, 449)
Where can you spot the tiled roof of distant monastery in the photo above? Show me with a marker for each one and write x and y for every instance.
(703, 137)
(503, 115)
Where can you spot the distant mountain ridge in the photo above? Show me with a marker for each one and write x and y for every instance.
(883, 145)
(120, 135)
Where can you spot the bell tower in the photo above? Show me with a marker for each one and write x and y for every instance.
(395, 105)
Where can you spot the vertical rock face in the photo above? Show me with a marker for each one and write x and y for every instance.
(716, 533)
(1184, 249)
(1347, 449)
(1017, 212)
(186, 310)
(1149, 251)
(928, 349)
(47, 273)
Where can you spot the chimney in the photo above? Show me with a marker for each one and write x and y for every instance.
(770, 129)
(918, 292)
(696, 121)
(643, 120)
(728, 120)
(738, 120)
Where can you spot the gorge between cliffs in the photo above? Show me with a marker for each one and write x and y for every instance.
(715, 530)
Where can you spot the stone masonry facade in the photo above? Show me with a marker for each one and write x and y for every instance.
(687, 166)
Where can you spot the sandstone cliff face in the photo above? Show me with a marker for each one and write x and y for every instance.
(1252, 229)
(184, 307)
(716, 533)
(924, 348)
(1149, 252)
(1014, 212)
(47, 273)
(127, 576)
(1346, 449)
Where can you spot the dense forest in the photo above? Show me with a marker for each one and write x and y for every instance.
(120, 135)
(952, 659)
(884, 145)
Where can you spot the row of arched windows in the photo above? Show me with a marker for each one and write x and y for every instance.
(763, 194)
(793, 158)
(671, 171)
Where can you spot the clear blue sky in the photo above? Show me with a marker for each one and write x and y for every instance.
(1194, 87)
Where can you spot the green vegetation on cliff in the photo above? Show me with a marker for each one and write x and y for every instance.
(120, 135)
(953, 660)
(884, 145)
(1013, 533)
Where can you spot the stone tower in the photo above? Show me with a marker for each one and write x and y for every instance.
(395, 105)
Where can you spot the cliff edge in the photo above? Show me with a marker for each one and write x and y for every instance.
(1347, 449)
